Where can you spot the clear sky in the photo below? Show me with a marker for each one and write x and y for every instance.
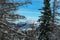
(31, 11)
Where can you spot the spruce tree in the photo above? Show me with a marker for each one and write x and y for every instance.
(46, 20)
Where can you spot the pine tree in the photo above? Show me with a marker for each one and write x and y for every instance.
(7, 9)
(45, 21)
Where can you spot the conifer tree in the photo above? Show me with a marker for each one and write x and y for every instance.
(46, 20)
(7, 8)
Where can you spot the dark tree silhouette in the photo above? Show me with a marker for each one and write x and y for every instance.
(45, 21)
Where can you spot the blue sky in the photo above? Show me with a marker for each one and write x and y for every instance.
(31, 11)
